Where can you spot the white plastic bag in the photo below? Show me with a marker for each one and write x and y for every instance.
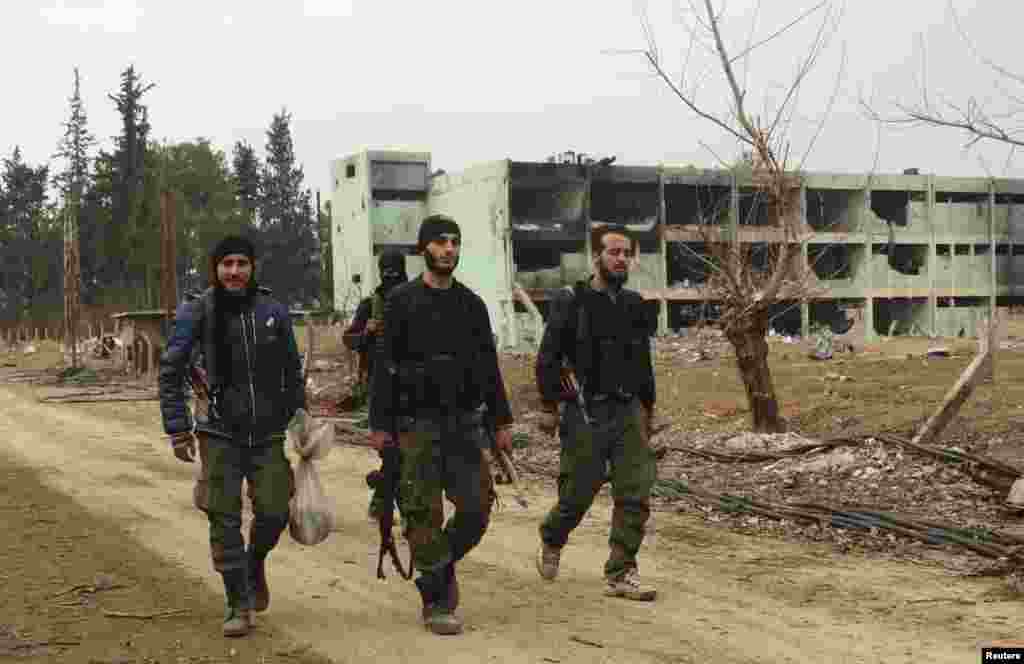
(310, 517)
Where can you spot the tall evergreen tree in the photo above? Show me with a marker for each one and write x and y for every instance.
(246, 167)
(287, 224)
(128, 250)
(74, 148)
(25, 230)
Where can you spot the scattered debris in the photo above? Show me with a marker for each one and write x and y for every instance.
(586, 642)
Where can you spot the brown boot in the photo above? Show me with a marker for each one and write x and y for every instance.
(628, 585)
(548, 558)
(236, 622)
(440, 619)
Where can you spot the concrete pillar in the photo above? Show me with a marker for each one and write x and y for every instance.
(662, 254)
(933, 257)
(869, 242)
(805, 307)
(993, 264)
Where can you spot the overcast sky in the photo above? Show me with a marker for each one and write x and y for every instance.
(478, 80)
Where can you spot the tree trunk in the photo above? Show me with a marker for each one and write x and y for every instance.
(747, 337)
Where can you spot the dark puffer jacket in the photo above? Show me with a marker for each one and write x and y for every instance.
(257, 384)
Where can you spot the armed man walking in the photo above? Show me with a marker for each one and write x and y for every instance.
(602, 404)
(436, 370)
(367, 324)
(366, 328)
(255, 386)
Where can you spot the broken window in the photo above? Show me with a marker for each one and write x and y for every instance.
(832, 314)
(831, 261)
(687, 264)
(696, 204)
(753, 207)
(834, 210)
(627, 203)
(547, 197)
(784, 317)
(890, 206)
(394, 176)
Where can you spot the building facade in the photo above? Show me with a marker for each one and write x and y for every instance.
(903, 254)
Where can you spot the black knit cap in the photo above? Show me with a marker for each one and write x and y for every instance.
(391, 258)
(233, 244)
(434, 227)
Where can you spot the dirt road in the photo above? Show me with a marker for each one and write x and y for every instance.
(723, 597)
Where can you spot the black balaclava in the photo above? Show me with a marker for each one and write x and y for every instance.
(391, 264)
(432, 228)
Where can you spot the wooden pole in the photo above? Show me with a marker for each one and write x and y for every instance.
(168, 254)
(958, 394)
(72, 282)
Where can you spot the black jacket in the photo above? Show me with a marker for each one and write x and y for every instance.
(610, 352)
(255, 378)
(415, 334)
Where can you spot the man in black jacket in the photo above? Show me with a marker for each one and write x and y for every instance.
(255, 380)
(361, 335)
(601, 331)
(435, 372)
(366, 327)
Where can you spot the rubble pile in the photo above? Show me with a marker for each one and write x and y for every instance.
(869, 474)
(692, 345)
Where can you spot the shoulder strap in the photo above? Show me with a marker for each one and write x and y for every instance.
(208, 325)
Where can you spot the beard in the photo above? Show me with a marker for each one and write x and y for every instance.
(613, 279)
(441, 271)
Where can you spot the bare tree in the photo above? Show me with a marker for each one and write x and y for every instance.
(757, 265)
(979, 119)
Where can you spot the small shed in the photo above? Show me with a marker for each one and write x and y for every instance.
(142, 339)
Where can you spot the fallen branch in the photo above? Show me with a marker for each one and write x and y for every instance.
(586, 642)
(72, 589)
(947, 455)
(754, 457)
(145, 616)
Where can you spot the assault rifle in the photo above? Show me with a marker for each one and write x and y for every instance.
(385, 482)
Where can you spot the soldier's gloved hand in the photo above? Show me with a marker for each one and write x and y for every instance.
(184, 446)
(548, 423)
(374, 326)
(380, 439)
(503, 439)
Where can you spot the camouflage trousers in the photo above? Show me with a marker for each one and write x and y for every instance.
(443, 457)
(269, 475)
(617, 436)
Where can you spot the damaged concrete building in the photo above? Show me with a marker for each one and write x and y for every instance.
(900, 254)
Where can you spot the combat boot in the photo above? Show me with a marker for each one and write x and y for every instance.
(628, 585)
(439, 618)
(548, 558)
(438, 613)
(237, 622)
(238, 617)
